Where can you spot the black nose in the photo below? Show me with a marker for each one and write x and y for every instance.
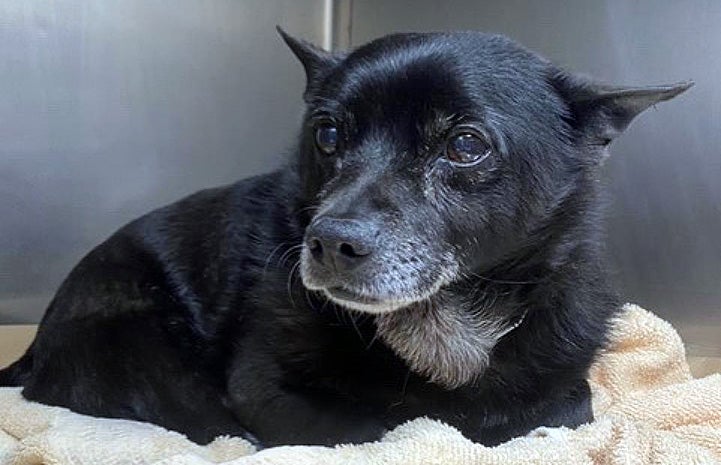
(341, 244)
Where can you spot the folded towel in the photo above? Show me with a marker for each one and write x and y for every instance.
(648, 410)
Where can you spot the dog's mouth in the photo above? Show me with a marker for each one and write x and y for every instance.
(347, 295)
(380, 287)
(357, 301)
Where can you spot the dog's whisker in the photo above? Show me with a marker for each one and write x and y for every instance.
(286, 255)
(373, 339)
(501, 281)
(355, 326)
(289, 284)
(308, 299)
(326, 302)
(270, 256)
(309, 208)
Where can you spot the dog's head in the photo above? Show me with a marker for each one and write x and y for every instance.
(434, 157)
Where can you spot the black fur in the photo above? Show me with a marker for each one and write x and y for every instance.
(195, 316)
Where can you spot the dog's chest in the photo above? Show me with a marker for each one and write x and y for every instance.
(345, 358)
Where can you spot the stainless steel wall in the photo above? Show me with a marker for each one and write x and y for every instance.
(109, 109)
(665, 172)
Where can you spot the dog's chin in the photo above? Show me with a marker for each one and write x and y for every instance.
(351, 299)
(361, 303)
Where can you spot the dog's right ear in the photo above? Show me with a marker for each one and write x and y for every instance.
(316, 61)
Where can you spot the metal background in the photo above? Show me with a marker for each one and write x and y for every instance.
(108, 109)
(664, 176)
(111, 108)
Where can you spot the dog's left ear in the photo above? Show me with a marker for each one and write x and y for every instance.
(316, 61)
(601, 113)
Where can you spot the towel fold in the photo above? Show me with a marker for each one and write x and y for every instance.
(649, 410)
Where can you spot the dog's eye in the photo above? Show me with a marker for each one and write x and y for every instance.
(326, 138)
(467, 148)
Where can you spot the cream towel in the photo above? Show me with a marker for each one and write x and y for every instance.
(648, 408)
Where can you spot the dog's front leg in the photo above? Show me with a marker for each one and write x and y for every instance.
(571, 407)
(280, 415)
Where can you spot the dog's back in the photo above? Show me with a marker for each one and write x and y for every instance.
(142, 327)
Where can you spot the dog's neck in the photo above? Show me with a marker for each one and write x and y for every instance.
(446, 339)
(449, 337)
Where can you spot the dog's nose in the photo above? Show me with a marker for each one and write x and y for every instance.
(340, 243)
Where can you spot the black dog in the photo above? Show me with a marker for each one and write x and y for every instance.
(433, 249)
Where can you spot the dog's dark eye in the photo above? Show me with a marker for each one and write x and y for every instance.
(467, 148)
(326, 138)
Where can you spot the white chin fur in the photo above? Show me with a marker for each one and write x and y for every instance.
(376, 309)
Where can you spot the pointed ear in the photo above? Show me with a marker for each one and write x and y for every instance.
(316, 61)
(600, 113)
